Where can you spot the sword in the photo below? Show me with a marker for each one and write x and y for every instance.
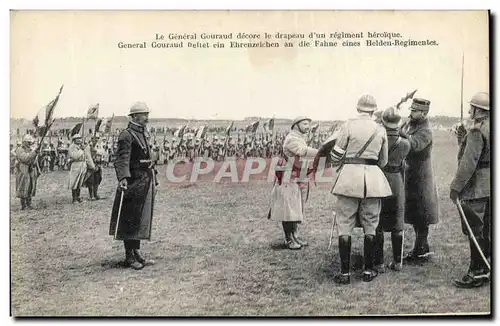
(119, 213)
(402, 246)
(471, 235)
(333, 227)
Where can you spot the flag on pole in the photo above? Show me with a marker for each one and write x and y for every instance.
(93, 112)
(228, 129)
(44, 118)
(109, 122)
(98, 125)
(201, 132)
(76, 129)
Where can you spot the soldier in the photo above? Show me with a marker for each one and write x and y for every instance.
(289, 197)
(93, 178)
(393, 207)
(471, 185)
(421, 207)
(360, 146)
(27, 171)
(137, 182)
(78, 167)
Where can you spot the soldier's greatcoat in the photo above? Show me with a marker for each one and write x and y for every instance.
(78, 168)
(27, 173)
(94, 155)
(422, 205)
(393, 208)
(133, 161)
(288, 197)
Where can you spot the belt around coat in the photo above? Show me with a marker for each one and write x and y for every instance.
(364, 161)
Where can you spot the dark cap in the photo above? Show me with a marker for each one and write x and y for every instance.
(420, 104)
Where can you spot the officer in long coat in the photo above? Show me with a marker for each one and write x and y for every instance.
(290, 191)
(27, 171)
(132, 215)
(360, 147)
(77, 159)
(471, 185)
(393, 207)
(422, 205)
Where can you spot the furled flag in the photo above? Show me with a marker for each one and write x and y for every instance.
(93, 112)
(76, 129)
(201, 132)
(109, 122)
(44, 118)
(228, 129)
(98, 125)
(314, 128)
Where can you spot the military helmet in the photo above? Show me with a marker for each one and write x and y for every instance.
(28, 139)
(299, 119)
(390, 118)
(481, 100)
(366, 103)
(76, 136)
(138, 107)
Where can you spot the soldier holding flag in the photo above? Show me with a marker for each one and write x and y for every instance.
(289, 196)
(471, 186)
(27, 173)
(132, 215)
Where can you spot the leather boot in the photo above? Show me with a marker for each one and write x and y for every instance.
(290, 241)
(78, 199)
(131, 261)
(91, 193)
(477, 275)
(369, 247)
(96, 197)
(294, 235)
(397, 246)
(23, 204)
(378, 251)
(345, 260)
(142, 260)
(28, 203)
(421, 251)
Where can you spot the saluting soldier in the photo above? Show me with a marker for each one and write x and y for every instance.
(393, 207)
(471, 185)
(27, 171)
(422, 206)
(137, 182)
(360, 146)
(78, 169)
(288, 197)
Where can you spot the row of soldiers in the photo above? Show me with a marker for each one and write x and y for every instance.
(385, 178)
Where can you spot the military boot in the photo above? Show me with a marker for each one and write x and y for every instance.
(378, 251)
(369, 247)
(142, 260)
(28, 203)
(477, 275)
(294, 235)
(96, 197)
(290, 242)
(78, 198)
(397, 246)
(345, 261)
(421, 251)
(131, 260)
(91, 193)
(23, 204)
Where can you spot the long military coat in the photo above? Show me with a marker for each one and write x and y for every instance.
(136, 216)
(27, 173)
(288, 197)
(78, 168)
(472, 179)
(422, 205)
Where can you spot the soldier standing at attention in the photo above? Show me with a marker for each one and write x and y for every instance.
(78, 168)
(137, 181)
(422, 206)
(27, 171)
(361, 149)
(94, 155)
(471, 186)
(288, 197)
(393, 208)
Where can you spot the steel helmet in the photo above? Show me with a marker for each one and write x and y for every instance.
(481, 100)
(390, 118)
(366, 103)
(299, 119)
(138, 107)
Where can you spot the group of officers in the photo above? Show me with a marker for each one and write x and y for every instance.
(384, 178)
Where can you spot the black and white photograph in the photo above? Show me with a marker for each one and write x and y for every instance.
(259, 163)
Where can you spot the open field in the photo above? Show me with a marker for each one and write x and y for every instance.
(216, 254)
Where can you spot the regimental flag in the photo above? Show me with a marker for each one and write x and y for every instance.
(44, 118)
(98, 125)
(76, 129)
(201, 132)
(228, 129)
(93, 112)
(252, 127)
(109, 122)
(314, 128)
(179, 133)
(269, 126)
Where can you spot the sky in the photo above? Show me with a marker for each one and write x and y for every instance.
(79, 50)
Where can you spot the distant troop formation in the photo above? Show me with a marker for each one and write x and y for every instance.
(383, 168)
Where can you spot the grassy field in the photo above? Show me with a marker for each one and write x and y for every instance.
(217, 254)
